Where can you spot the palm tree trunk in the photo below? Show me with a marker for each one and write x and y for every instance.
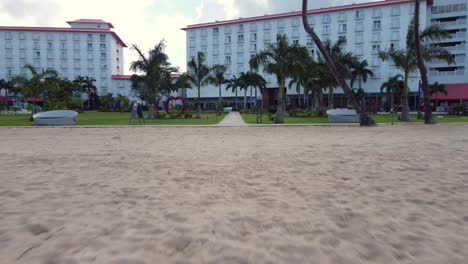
(245, 98)
(279, 117)
(299, 97)
(219, 99)
(237, 108)
(428, 118)
(198, 104)
(404, 102)
(251, 101)
(364, 118)
(330, 98)
(6, 99)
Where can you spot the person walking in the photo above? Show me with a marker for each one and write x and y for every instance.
(140, 114)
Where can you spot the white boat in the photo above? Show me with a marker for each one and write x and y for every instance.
(56, 118)
(342, 116)
(227, 110)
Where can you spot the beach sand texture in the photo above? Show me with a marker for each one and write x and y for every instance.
(389, 194)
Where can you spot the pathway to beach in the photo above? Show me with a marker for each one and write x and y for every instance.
(143, 195)
(232, 119)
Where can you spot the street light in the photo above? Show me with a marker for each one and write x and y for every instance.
(43, 94)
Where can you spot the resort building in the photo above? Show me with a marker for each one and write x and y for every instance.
(365, 28)
(88, 47)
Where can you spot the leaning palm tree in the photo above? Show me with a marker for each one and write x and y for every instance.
(33, 88)
(364, 118)
(218, 80)
(280, 59)
(155, 69)
(234, 84)
(394, 85)
(198, 74)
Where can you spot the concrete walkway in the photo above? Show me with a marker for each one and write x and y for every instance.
(232, 119)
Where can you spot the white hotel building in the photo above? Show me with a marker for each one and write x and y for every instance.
(88, 47)
(367, 29)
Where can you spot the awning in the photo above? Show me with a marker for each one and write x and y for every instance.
(455, 92)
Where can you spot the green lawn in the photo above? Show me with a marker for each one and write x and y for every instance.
(252, 119)
(107, 119)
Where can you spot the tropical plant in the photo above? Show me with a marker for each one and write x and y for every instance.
(365, 119)
(156, 74)
(86, 86)
(6, 86)
(407, 60)
(234, 84)
(281, 59)
(198, 74)
(393, 86)
(34, 86)
(217, 79)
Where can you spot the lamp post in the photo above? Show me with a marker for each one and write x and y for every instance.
(43, 85)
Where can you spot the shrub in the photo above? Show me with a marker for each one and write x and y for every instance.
(271, 116)
(187, 114)
(159, 115)
(455, 109)
(174, 113)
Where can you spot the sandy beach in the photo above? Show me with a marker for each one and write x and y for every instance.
(389, 194)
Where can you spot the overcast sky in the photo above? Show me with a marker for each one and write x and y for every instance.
(146, 22)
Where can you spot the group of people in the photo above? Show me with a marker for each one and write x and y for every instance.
(136, 112)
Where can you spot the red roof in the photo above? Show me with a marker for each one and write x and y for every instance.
(60, 29)
(91, 21)
(299, 13)
(456, 91)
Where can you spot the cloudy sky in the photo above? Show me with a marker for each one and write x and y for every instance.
(146, 22)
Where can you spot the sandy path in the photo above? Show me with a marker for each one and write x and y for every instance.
(234, 195)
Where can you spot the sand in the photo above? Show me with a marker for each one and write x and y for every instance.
(234, 195)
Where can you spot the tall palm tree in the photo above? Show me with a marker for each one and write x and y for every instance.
(280, 59)
(360, 72)
(364, 118)
(218, 80)
(298, 80)
(156, 70)
(394, 85)
(407, 60)
(257, 82)
(245, 77)
(33, 88)
(199, 75)
(86, 85)
(234, 84)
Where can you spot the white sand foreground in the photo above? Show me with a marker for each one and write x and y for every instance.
(234, 195)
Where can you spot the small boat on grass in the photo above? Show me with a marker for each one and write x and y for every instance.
(342, 116)
(56, 118)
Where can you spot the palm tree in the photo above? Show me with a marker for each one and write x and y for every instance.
(364, 118)
(6, 87)
(436, 88)
(86, 85)
(394, 85)
(33, 87)
(198, 74)
(280, 59)
(218, 80)
(256, 81)
(156, 70)
(233, 84)
(407, 60)
(360, 72)
(299, 81)
(246, 84)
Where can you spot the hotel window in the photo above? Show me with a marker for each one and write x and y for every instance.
(240, 68)
(342, 16)
(8, 44)
(37, 54)
(10, 73)
(192, 52)
(90, 65)
(8, 35)
(215, 60)
(342, 39)
(240, 49)
(227, 39)
(411, 9)
(394, 46)
(77, 65)
(296, 22)
(9, 54)
(103, 46)
(227, 30)
(76, 36)
(76, 55)
(375, 61)
(253, 27)
(359, 26)
(227, 49)
(90, 56)
(63, 36)
(295, 42)
(280, 32)
(359, 51)
(281, 23)
(216, 51)
(90, 37)
(377, 25)
(227, 59)
(63, 45)
(102, 37)
(103, 55)
(377, 12)
(295, 33)
(36, 45)
(395, 23)
(76, 46)
(267, 25)
(50, 36)
(326, 29)
(103, 67)
(63, 55)
(192, 43)
(22, 45)
(342, 28)
(395, 35)
(310, 42)
(22, 54)
(253, 47)
(359, 38)
(396, 11)
(204, 32)
(64, 65)
(204, 50)
(50, 45)
(375, 49)
(267, 36)
(326, 18)
(240, 58)
(376, 37)
(22, 36)
(240, 28)
(216, 41)
(311, 20)
(204, 42)
(50, 55)
(36, 36)
(359, 14)
(215, 31)
(253, 37)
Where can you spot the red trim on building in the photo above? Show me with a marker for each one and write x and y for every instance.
(91, 21)
(298, 13)
(127, 77)
(455, 92)
(58, 29)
